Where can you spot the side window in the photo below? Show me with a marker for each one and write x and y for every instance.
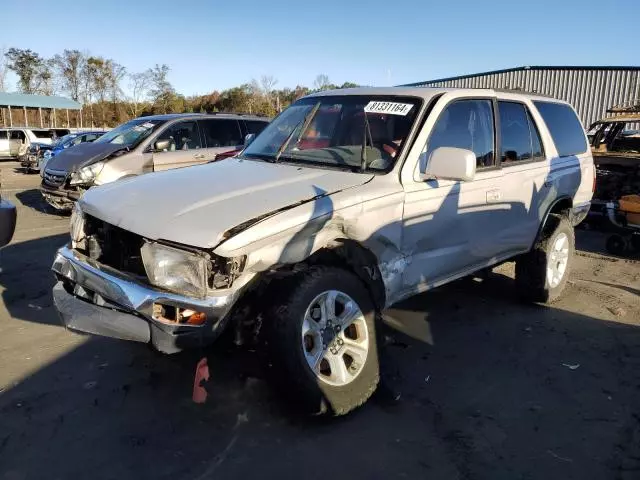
(221, 133)
(77, 140)
(564, 126)
(466, 124)
(515, 135)
(17, 135)
(3, 135)
(181, 136)
(255, 126)
(90, 137)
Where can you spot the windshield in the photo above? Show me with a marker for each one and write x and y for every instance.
(355, 132)
(43, 133)
(131, 133)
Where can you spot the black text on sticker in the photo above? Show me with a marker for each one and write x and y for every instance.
(392, 108)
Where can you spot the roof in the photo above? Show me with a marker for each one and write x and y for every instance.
(171, 116)
(428, 92)
(516, 69)
(37, 101)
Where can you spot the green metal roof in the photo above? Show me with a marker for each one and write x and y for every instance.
(37, 101)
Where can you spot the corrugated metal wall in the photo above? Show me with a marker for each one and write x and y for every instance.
(590, 91)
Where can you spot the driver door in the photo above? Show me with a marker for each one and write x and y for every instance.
(183, 148)
(450, 227)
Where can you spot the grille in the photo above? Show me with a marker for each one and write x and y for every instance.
(54, 178)
(114, 247)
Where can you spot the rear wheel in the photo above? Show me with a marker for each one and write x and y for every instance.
(323, 341)
(541, 274)
(616, 244)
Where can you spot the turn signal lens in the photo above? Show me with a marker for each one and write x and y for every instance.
(196, 318)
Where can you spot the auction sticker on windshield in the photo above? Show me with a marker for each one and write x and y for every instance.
(392, 108)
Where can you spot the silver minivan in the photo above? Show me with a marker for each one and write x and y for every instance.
(144, 145)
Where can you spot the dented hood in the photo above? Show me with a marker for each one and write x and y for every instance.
(197, 205)
(72, 159)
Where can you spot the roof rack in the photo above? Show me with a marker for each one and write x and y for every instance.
(632, 106)
(240, 114)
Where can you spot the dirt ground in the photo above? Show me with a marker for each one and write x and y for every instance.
(490, 388)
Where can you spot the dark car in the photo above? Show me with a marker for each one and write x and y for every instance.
(39, 153)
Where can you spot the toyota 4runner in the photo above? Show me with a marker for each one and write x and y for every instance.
(348, 202)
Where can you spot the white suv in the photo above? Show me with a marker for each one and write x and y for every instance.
(348, 202)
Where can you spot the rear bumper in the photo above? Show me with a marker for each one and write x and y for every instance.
(579, 212)
(95, 299)
(7, 221)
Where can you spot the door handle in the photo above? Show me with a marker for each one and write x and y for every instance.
(494, 195)
(199, 156)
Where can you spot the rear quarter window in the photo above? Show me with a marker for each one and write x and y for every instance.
(564, 126)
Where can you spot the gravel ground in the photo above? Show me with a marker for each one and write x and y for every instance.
(490, 388)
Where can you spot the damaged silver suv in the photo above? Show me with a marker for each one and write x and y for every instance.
(348, 202)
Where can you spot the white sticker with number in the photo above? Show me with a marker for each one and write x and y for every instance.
(392, 108)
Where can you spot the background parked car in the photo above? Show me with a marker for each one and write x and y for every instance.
(15, 142)
(7, 221)
(143, 145)
(39, 153)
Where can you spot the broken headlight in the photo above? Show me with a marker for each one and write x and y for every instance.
(175, 270)
(76, 226)
(86, 174)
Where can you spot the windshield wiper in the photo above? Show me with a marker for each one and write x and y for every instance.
(259, 156)
(366, 130)
(307, 120)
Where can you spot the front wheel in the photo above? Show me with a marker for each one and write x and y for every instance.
(541, 274)
(323, 341)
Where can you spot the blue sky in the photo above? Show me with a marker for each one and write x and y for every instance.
(218, 44)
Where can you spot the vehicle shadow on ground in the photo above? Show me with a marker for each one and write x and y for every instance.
(33, 199)
(499, 390)
(27, 279)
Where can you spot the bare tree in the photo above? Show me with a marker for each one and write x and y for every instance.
(162, 91)
(268, 82)
(139, 86)
(69, 67)
(321, 82)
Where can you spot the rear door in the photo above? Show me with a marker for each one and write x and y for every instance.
(220, 135)
(525, 176)
(184, 148)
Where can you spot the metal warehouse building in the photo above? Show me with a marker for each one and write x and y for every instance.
(591, 90)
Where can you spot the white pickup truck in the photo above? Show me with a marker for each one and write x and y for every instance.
(348, 202)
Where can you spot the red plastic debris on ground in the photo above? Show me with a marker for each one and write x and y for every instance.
(202, 374)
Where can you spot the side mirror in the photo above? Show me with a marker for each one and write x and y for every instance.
(450, 163)
(249, 138)
(161, 145)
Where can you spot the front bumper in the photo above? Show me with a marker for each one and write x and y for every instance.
(96, 299)
(7, 221)
(60, 198)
